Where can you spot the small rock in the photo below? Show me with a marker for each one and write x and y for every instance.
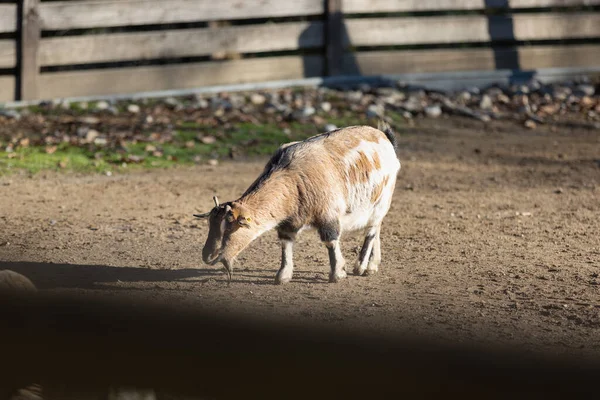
(326, 106)
(329, 127)
(208, 139)
(549, 109)
(530, 124)
(102, 105)
(171, 101)
(52, 222)
(202, 103)
(558, 191)
(586, 90)
(502, 98)
(257, 99)
(89, 120)
(308, 111)
(11, 281)
(13, 114)
(133, 108)
(465, 96)
(108, 173)
(375, 111)
(213, 162)
(586, 101)
(100, 141)
(91, 135)
(433, 111)
(486, 102)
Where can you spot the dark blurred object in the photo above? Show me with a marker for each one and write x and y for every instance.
(87, 346)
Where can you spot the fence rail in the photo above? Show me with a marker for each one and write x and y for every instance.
(51, 49)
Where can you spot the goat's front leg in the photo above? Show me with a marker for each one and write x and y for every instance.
(284, 275)
(330, 235)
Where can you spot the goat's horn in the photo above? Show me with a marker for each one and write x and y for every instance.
(216, 200)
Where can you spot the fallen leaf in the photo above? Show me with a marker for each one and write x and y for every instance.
(63, 163)
(50, 149)
(150, 148)
(190, 144)
(24, 142)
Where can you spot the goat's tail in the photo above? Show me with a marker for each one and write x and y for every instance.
(389, 133)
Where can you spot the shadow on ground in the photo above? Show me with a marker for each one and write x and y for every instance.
(54, 276)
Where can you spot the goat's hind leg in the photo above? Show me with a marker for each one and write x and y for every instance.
(375, 258)
(330, 235)
(286, 271)
(369, 247)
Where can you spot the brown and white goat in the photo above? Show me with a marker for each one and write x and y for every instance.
(340, 181)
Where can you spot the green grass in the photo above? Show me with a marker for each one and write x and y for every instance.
(185, 148)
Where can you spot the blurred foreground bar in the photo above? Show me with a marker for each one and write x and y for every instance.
(82, 345)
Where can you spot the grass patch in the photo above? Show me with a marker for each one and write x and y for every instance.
(185, 147)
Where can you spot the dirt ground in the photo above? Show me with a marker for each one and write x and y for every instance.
(492, 237)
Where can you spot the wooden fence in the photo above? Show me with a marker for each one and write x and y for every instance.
(51, 49)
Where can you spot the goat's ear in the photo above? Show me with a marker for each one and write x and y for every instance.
(244, 221)
(202, 216)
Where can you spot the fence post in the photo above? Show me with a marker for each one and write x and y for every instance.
(334, 40)
(29, 39)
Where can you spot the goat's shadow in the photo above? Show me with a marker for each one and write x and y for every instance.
(74, 276)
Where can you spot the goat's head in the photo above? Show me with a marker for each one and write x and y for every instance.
(227, 224)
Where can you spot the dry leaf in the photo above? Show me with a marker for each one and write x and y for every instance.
(63, 163)
(24, 142)
(150, 148)
(50, 149)
(190, 144)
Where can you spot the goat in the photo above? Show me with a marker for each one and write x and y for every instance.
(342, 180)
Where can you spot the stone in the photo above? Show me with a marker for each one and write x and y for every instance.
(433, 111)
(133, 108)
(486, 102)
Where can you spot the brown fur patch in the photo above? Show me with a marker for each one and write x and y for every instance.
(376, 161)
(376, 194)
(360, 170)
(343, 141)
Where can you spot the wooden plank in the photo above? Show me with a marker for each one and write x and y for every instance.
(375, 6)
(102, 13)
(7, 88)
(8, 17)
(29, 42)
(181, 76)
(471, 28)
(422, 61)
(8, 53)
(335, 37)
(180, 43)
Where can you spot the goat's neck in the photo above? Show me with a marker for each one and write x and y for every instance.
(272, 203)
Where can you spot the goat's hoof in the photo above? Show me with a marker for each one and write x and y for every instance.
(358, 271)
(337, 276)
(372, 269)
(282, 280)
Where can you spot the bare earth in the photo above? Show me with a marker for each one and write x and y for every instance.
(493, 236)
